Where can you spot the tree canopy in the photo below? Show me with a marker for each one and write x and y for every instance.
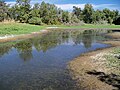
(46, 13)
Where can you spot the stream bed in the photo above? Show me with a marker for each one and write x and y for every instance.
(40, 63)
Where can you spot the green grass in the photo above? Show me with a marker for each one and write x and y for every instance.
(112, 60)
(18, 28)
(89, 26)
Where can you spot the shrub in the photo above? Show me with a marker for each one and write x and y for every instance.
(101, 22)
(80, 23)
(35, 20)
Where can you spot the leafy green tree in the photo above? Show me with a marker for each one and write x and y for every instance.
(65, 17)
(3, 11)
(78, 12)
(110, 15)
(22, 8)
(117, 21)
(47, 13)
(87, 13)
(97, 16)
(35, 12)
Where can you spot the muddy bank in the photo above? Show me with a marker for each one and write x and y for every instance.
(91, 70)
(59, 28)
(23, 36)
(115, 35)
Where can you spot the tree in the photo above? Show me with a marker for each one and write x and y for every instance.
(87, 13)
(65, 17)
(35, 12)
(117, 20)
(78, 12)
(110, 15)
(49, 14)
(3, 11)
(22, 10)
(97, 17)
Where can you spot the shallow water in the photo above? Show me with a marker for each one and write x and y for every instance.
(40, 63)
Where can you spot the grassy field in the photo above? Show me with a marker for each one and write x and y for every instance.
(18, 28)
(89, 26)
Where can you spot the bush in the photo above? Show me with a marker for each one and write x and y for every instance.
(117, 21)
(80, 23)
(101, 22)
(35, 20)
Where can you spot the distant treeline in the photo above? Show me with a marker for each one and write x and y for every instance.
(50, 14)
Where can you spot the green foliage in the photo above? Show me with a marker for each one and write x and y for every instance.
(65, 17)
(50, 14)
(35, 20)
(117, 21)
(87, 13)
(78, 12)
(3, 11)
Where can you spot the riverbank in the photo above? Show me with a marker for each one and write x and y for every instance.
(115, 35)
(90, 26)
(15, 31)
(98, 70)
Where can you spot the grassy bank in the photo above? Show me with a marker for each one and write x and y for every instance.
(18, 28)
(89, 26)
(22, 28)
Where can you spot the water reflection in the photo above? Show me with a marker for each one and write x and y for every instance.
(40, 63)
(51, 40)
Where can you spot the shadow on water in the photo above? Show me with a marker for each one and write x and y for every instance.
(111, 79)
(40, 63)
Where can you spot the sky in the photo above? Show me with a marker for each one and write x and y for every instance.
(68, 4)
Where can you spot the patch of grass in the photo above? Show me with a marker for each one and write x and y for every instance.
(89, 26)
(116, 51)
(18, 28)
(113, 61)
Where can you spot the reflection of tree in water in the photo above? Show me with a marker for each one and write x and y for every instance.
(24, 49)
(50, 40)
(76, 37)
(4, 49)
(87, 38)
(65, 36)
(46, 42)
